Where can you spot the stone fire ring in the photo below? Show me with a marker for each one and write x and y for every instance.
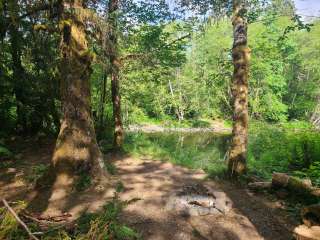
(193, 202)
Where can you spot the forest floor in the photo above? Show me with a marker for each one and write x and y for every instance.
(151, 182)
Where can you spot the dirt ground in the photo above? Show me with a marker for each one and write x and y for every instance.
(252, 217)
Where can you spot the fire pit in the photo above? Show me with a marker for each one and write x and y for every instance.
(197, 200)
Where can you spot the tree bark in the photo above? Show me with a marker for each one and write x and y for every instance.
(102, 102)
(76, 151)
(259, 186)
(295, 185)
(18, 72)
(175, 105)
(240, 55)
(115, 63)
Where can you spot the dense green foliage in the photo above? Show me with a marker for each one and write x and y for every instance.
(167, 70)
(292, 148)
(283, 78)
(283, 81)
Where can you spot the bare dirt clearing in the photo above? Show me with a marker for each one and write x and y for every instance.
(154, 182)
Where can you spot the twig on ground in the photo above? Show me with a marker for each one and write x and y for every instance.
(19, 220)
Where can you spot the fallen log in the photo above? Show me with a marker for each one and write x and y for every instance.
(259, 186)
(295, 185)
(45, 223)
(302, 232)
(284, 182)
(54, 218)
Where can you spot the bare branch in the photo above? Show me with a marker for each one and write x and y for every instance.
(19, 220)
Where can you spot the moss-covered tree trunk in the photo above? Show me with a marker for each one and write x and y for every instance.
(76, 151)
(240, 55)
(114, 61)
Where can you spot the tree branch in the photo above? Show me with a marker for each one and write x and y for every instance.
(135, 56)
(177, 40)
(19, 220)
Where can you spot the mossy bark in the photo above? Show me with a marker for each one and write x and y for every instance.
(299, 187)
(115, 69)
(76, 151)
(240, 55)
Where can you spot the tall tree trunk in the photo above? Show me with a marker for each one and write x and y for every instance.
(17, 68)
(240, 55)
(102, 102)
(76, 149)
(175, 104)
(3, 10)
(114, 61)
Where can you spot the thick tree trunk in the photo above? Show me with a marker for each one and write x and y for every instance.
(241, 55)
(76, 149)
(114, 61)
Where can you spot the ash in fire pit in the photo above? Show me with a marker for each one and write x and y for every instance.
(197, 200)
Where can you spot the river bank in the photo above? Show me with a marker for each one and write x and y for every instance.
(155, 128)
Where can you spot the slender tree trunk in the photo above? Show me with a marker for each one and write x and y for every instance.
(176, 107)
(241, 55)
(102, 102)
(76, 149)
(114, 61)
(17, 69)
(180, 104)
(3, 10)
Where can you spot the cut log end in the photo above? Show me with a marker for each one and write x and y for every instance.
(302, 232)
